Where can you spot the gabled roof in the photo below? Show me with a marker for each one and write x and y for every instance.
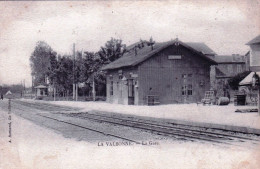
(248, 79)
(254, 41)
(8, 93)
(229, 59)
(219, 73)
(130, 59)
(201, 47)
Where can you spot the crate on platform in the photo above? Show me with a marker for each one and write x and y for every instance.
(239, 99)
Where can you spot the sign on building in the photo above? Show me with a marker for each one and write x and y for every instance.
(174, 57)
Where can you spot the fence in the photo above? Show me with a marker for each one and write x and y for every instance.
(70, 98)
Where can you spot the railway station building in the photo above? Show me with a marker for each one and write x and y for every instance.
(161, 73)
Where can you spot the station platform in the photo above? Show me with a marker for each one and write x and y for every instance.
(211, 116)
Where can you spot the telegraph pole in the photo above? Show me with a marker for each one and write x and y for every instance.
(93, 88)
(73, 71)
(22, 88)
(32, 88)
(24, 91)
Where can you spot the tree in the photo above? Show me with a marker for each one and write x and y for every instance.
(64, 74)
(234, 81)
(42, 62)
(112, 50)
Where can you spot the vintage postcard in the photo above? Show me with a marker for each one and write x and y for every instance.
(130, 84)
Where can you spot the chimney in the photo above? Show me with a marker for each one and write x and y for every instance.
(135, 50)
(151, 42)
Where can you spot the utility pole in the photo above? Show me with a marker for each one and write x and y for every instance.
(73, 71)
(32, 88)
(258, 94)
(77, 85)
(54, 92)
(24, 86)
(93, 88)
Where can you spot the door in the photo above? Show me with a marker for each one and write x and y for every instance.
(131, 92)
(187, 88)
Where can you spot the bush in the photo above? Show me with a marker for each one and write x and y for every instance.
(234, 81)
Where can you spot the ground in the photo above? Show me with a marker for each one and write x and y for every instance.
(224, 115)
(33, 147)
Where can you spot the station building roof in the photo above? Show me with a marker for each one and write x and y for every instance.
(132, 59)
(229, 58)
(254, 41)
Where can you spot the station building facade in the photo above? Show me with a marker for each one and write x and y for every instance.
(162, 73)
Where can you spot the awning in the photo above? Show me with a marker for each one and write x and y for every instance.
(41, 87)
(248, 79)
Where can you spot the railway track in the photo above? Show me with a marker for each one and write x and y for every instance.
(175, 131)
(91, 129)
(45, 106)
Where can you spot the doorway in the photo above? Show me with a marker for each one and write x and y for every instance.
(131, 92)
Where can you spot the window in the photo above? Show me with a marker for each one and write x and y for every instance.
(187, 84)
(186, 90)
(230, 69)
(111, 88)
(190, 89)
(239, 68)
(130, 88)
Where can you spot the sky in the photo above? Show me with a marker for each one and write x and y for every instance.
(225, 26)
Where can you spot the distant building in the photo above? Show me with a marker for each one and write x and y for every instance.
(41, 91)
(254, 60)
(228, 66)
(169, 72)
(254, 53)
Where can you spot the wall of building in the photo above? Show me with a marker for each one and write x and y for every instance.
(213, 77)
(164, 77)
(120, 86)
(255, 55)
(231, 69)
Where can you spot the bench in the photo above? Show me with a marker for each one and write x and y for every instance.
(152, 100)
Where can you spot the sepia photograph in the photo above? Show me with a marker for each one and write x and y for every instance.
(153, 84)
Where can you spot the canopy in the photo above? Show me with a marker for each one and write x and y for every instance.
(248, 79)
(40, 87)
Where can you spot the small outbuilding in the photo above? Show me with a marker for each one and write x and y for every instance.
(160, 73)
(41, 91)
(9, 95)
